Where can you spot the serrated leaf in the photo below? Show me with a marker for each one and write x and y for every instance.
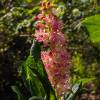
(93, 26)
(31, 80)
(35, 75)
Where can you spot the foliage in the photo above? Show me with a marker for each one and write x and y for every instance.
(35, 77)
(16, 90)
(16, 28)
(73, 93)
(79, 73)
(92, 23)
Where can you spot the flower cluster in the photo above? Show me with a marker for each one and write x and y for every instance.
(56, 57)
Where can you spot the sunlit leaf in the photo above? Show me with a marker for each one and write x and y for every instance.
(93, 26)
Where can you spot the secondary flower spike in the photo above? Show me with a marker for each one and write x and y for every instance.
(56, 58)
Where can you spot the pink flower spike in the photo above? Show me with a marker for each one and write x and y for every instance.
(55, 58)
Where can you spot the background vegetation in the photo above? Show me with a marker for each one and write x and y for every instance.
(17, 26)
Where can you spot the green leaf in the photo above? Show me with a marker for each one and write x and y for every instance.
(17, 91)
(31, 80)
(39, 70)
(36, 1)
(93, 26)
(52, 95)
(35, 76)
(28, 1)
(58, 1)
(86, 80)
(72, 94)
(35, 98)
